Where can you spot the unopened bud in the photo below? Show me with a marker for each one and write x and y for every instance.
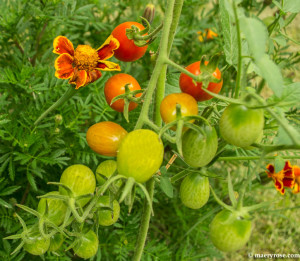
(58, 119)
(149, 14)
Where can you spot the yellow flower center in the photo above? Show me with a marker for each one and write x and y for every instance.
(85, 58)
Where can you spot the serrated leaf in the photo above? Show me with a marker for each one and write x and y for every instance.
(166, 186)
(9, 190)
(5, 204)
(31, 181)
(279, 164)
(11, 169)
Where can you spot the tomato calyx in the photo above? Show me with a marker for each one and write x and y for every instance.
(138, 36)
(129, 96)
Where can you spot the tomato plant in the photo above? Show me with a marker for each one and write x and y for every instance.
(241, 126)
(140, 155)
(115, 86)
(56, 208)
(105, 168)
(107, 217)
(194, 191)
(228, 232)
(56, 242)
(188, 106)
(188, 85)
(35, 244)
(128, 51)
(87, 245)
(80, 179)
(199, 148)
(104, 137)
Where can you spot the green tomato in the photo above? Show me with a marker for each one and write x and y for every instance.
(241, 126)
(56, 208)
(36, 244)
(228, 232)
(194, 191)
(56, 242)
(105, 168)
(140, 155)
(107, 217)
(199, 149)
(87, 245)
(80, 179)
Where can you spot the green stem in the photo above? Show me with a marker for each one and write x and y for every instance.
(253, 158)
(239, 43)
(67, 95)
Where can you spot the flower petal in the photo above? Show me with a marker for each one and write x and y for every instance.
(108, 66)
(93, 76)
(296, 188)
(279, 186)
(62, 44)
(63, 66)
(106, 50)
(270, 170)
(79, 78)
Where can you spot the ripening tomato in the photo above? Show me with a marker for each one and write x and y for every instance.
(198, 149)
(104, 137)
(107, 217)
(115, 86)
(56, 242)
(229, 232)
(80, 179)
(36, 244)
(128, 51)
(241, 126)
(194, 191)
(140, 155)
(188, 85)
(187, 104)
(56, 208)
(87, 245)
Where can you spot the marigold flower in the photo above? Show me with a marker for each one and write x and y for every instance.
(296, 188)
(282, 179)
(83, 65)
(208, 34)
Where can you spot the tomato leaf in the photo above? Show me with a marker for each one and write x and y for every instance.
(279, 164)
(166, 186)
(289, 6)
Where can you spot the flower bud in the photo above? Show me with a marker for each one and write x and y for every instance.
(58, 119)
(149, 14)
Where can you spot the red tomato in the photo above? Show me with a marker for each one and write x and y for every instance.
(188, 85)
(168, 106)
(115, 86)
(128, 51)
(104, 137)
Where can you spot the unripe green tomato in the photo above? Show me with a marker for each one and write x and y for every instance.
(105, 168)
(198, 149)
(56, 242)
(258, 140)
(194, 191)
(107, 217)
(80, 179)
(140, 155)
(36, 244)
(241, 126)
(228, 232)
(87, 245)
(56, 208)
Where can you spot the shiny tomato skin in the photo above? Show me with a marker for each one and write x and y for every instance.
(36, 244)
(104, 137)
(115, 86)
(241, 126)
(56, 242)
(80, 179)
(168, 106)
(194, 191)
(107, 217)
(199, 149)
(140, 155)
(56, 208)
(188, 85)
(128, 51)
(229, 232)
(87, 245)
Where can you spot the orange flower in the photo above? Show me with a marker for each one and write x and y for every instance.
(284, 178)
(84, 64)
(208, 34)
(297, 179)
